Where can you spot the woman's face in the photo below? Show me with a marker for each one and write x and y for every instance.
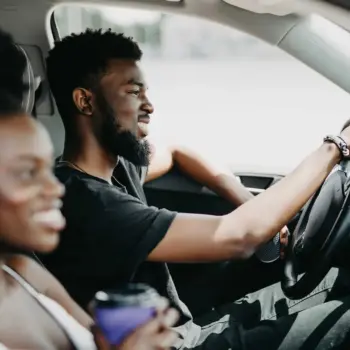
(30, 215)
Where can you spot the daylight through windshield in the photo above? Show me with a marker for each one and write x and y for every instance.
(233, 97)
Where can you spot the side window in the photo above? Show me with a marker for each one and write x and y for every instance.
(222, 92)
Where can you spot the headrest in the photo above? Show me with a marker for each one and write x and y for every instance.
(29, 81)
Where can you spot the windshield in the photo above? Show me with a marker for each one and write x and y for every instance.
(230, 96)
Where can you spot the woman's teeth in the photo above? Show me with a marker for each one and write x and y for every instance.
(52, 219)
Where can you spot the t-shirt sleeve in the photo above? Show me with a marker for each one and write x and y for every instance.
(117, 229)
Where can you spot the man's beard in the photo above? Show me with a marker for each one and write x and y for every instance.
(115, 141)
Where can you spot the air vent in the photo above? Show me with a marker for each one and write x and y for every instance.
(259, 182)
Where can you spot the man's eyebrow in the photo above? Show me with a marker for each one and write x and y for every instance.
(135, 82)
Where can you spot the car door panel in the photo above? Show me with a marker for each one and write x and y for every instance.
(177, 192)
(257, 182)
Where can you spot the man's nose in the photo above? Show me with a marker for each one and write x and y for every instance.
(147, 106)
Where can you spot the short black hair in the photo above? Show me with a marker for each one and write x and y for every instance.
(80, 60)
(12, 67)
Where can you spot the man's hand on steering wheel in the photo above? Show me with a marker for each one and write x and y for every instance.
(284, 238)
(323, 226)
(345, 133)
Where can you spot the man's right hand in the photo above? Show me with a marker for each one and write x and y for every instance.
(345, 134)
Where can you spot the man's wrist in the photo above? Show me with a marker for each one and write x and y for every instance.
(340, 143)
(331, 150)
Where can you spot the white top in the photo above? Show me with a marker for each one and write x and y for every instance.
(78, 335)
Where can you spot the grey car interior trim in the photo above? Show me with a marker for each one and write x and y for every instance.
(323, 45)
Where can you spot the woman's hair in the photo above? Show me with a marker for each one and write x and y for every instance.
(12, 67)
(9, 104)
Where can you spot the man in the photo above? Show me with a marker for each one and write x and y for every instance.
(112, 236)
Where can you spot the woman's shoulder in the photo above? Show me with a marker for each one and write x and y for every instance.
(30, 270)
(45, 283)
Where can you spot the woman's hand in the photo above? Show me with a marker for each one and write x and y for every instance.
(154, 335)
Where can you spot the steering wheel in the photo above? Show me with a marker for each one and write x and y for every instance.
(323, 227)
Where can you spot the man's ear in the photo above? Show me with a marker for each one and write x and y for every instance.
(83, 101)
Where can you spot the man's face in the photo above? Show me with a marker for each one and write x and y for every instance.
(122, 112)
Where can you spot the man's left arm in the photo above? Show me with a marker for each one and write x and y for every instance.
(200, 170)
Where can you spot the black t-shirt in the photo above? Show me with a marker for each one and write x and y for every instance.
(109, 234)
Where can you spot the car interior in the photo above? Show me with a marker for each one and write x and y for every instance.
(316, 33)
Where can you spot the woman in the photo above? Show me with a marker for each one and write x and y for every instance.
(36, 312)
(30, 219)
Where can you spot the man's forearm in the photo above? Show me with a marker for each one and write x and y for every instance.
(200, 170)
(196, 237)
(228, 187)
(260, 219)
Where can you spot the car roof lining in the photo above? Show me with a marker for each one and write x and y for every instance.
(319, 44)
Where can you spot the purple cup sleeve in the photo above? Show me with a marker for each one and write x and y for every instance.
(117, 323)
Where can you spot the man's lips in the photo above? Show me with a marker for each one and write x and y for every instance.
(144, 119)
(142, 123)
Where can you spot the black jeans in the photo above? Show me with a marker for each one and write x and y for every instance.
(266, 320)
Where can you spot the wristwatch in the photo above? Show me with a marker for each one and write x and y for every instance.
(340, 143)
